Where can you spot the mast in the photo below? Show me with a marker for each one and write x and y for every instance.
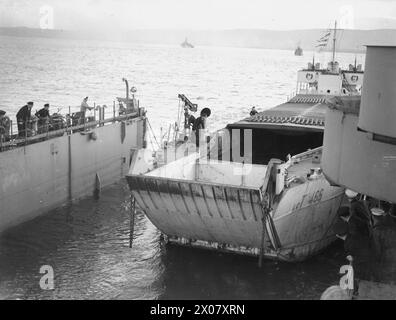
(334, 41)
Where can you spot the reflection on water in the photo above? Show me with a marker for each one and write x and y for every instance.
(87, 244)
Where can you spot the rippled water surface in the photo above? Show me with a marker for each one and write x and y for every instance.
(87, 243)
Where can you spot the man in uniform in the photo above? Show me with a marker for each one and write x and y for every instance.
(5, 125)
(200, 124)
(43, 118)
(23, 116)
(360, 248)
(359, 214)
(384, 233)
(84, 107)
(356, 225)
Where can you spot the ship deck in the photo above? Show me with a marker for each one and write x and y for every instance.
(17, 142)
(302, 112)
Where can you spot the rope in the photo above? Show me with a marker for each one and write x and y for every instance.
(151, 142)
(152, 132)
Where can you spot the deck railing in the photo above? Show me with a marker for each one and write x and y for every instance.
(16, 140)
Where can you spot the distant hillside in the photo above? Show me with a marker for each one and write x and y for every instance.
(348, 40)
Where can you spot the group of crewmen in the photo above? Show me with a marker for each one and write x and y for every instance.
(5, 124)
(362, 226)
(24, 119)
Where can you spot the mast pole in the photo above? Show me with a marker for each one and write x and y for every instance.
(334, 41)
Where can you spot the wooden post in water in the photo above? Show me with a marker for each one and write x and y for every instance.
(262, 238)
(70, 124)
(132, 213)
(25, 133)
(265, 205)
(114, 113)
(98, 187)
(69, 172)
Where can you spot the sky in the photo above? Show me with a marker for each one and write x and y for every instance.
(197, 14)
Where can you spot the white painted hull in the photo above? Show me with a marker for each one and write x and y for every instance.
(229, 217)
(305, 228)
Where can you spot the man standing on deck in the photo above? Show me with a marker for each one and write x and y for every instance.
(44, 117)
(83, 109)
(23, 116)
(5, 125)
(253, 112)
(200, 125)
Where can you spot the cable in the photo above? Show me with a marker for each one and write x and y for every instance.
(152, 131)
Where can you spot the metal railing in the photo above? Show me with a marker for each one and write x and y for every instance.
(70, 123)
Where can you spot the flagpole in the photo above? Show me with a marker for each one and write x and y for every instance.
(334, 41)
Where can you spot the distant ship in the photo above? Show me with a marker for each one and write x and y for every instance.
(298, 51)
(186, 44)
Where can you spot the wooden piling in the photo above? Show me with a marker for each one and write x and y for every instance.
(132, 213)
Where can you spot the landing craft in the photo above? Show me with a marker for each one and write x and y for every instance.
(271, 200)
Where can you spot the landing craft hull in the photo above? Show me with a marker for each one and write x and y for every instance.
(305, 216)
(41, 176)
(228, 217)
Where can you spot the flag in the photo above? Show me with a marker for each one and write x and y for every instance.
(322, 42)
(326, 36)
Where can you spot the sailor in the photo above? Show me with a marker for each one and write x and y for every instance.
(359, 213)
(83, 109)
(5, 124)
(356, 225)
(358, 248)
(253, 112)
(23, 116)
(43, 118)
(200, 125)
(190, 121)
(382, 232)
(392, 214)
(121, 108)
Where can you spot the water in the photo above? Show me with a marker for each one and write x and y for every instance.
(87, 244)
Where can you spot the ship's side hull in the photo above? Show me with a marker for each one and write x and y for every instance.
(304, 217)
(41, 176)
(230, 218)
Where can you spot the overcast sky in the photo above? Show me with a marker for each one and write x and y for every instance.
(200, 14)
